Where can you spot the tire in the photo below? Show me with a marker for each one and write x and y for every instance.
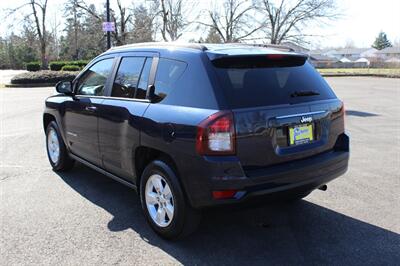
(56, 151)
(183, 220)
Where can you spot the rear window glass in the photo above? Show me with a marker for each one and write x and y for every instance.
(168, 72)
(261, 85)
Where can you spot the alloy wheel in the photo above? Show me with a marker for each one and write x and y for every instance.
(159, 200)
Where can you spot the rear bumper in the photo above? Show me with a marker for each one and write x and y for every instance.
(279, 180)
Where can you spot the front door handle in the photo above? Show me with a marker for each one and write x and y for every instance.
(91, 108)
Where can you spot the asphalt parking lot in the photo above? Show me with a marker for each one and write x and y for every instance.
(83, 218)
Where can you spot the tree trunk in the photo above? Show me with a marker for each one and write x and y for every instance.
(76, 55)
(43, 56)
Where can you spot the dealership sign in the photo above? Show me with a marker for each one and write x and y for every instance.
(108, 26)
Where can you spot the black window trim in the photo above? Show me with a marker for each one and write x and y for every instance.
(118, 59)
(115, 72)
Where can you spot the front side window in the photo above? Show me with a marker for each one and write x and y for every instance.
(127, 78)
(94, 79)
(168, 72)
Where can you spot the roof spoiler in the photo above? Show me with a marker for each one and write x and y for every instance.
(274, 46)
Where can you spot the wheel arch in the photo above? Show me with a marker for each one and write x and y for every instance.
(143, 155)
(47, 118)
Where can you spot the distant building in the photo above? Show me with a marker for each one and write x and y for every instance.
(321, 58)
(321, 61)
(393, 60)
(388, 53)
(363, 60)
(345, 60)
(354, 53)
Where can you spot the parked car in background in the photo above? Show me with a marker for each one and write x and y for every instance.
(192, 126)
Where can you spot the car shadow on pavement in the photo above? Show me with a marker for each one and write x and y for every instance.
(359, 113)
(299, 233)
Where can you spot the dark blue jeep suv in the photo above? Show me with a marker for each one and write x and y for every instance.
(196, 125)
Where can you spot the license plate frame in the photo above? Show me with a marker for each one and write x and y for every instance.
(301, 134)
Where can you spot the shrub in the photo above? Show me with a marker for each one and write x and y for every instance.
(80, 63)
(45, 76)
(70, 68)
(33, 66)
(57, 65)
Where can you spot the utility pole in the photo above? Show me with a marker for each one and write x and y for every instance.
(108, 20)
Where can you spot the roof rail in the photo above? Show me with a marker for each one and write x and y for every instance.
(196, 46)
(200, 46)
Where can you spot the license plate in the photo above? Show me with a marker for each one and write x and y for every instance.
(301, 134)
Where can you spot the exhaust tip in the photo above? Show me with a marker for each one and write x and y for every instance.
(323, 187)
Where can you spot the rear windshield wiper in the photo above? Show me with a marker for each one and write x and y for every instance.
(304, 93)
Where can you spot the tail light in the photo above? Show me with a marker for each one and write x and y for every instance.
(275, 56)
(216, 135)
(224, 194)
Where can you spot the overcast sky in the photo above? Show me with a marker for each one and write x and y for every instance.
(361, 21)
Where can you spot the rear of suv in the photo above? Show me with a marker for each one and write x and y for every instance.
(194, 126)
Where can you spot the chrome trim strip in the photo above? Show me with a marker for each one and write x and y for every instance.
(113, 98)
(301, 114)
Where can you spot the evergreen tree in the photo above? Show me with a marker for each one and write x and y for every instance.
(73, 27)
(381, 41)
(213, 36)
(142, 26)
(84, 37)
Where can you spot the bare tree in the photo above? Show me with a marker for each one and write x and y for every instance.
(286, 20)
(173, 21)
(54, 45)
(87, 8)
(349, 43)
(40, 27)
(37, 10)
(125, 18)
(235, 22)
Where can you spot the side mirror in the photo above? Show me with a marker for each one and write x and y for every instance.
(64, 87)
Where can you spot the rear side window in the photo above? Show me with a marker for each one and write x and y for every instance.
(168, 72)
(127, 78)
(251, 85)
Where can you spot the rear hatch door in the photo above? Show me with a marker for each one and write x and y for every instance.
(283, 109)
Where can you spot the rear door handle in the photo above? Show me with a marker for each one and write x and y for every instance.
(91, 108)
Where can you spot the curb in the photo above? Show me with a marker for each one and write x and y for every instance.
(358, 75)
(32, 85)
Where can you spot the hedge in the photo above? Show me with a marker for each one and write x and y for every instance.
(33, 66)
(58, 65)
(80, 63)
(70, 68)
(44, 76)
